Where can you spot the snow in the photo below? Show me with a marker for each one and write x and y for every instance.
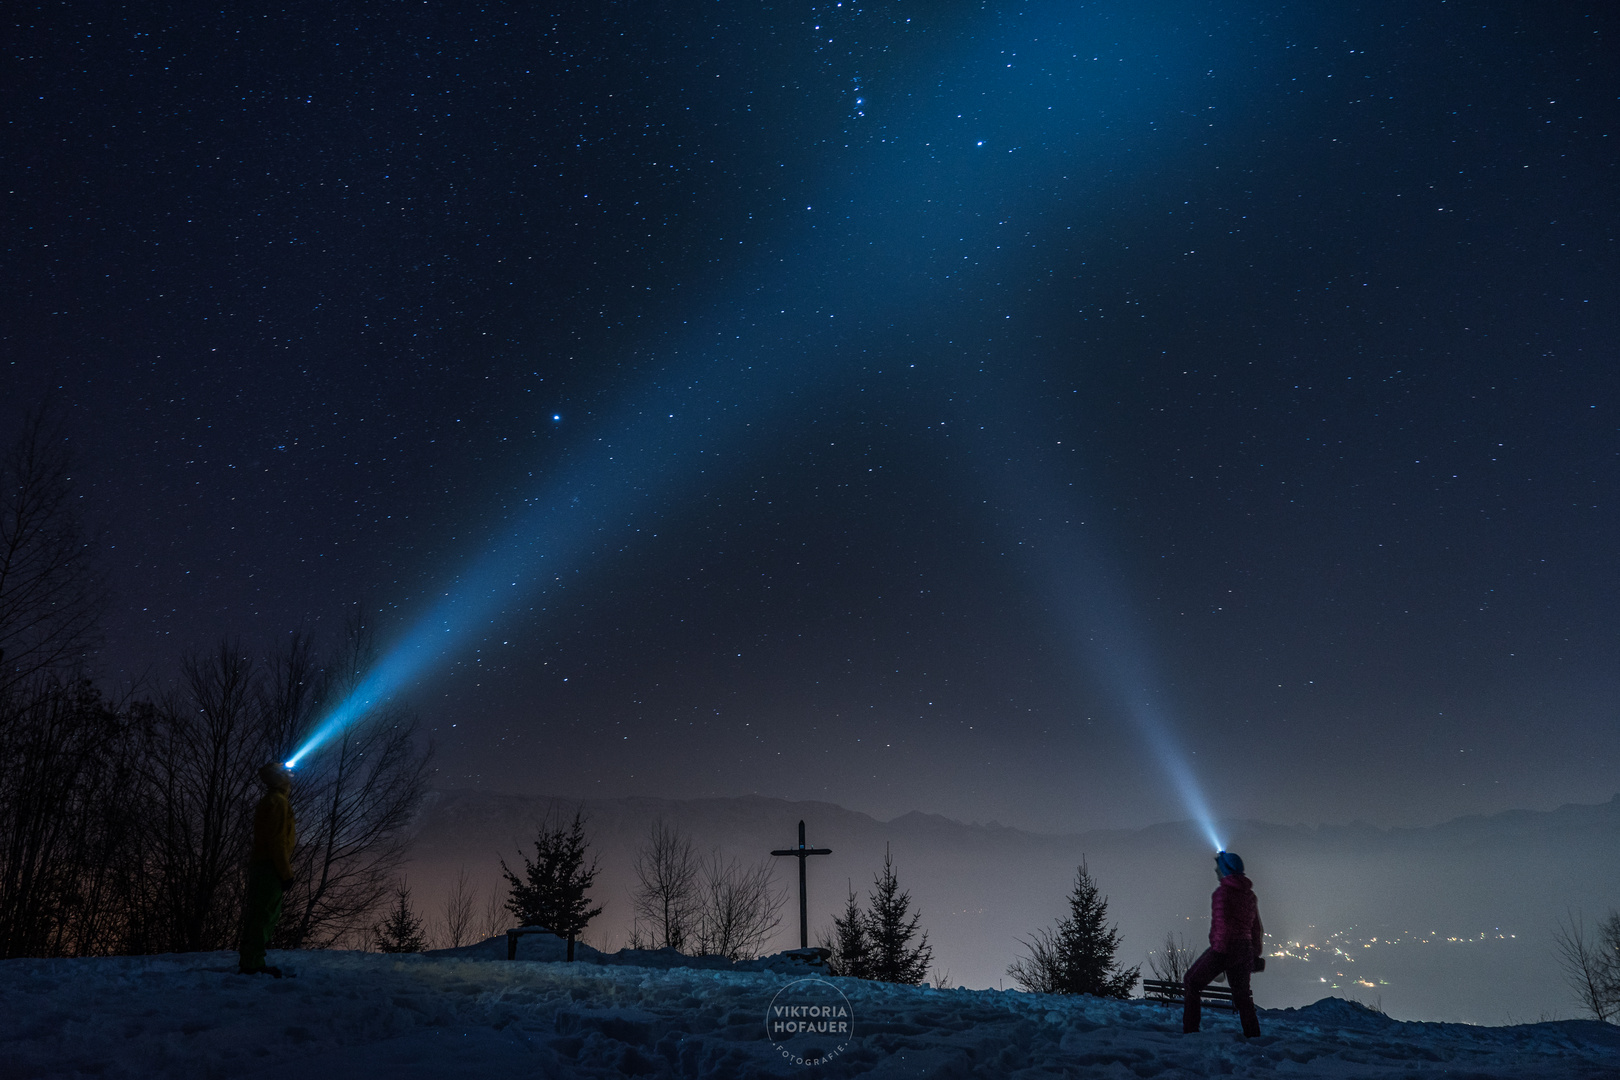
(470, 1013)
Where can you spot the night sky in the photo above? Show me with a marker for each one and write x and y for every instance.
(973, 408)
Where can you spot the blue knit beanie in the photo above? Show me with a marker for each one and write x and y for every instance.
(1228, 864)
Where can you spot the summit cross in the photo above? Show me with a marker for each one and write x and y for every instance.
(801, 853)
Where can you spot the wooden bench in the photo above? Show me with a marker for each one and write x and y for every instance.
(1170, 993)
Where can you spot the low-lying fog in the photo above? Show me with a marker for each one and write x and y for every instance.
(1452, 922)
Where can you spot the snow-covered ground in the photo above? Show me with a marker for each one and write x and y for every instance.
(472, 1014)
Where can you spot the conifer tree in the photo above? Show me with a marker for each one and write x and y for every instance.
(1078, 956)
(401, 932)
(893, 957)
(552, 891)
(852, 941)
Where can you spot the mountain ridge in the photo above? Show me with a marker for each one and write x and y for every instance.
(1586, 814)
(983, 888)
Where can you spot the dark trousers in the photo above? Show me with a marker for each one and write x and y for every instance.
(1237, 966)
(261, 910)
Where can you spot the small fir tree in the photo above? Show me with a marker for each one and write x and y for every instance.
(552, 891)
(401, 932)
(852, 941)
(893, 957)
(1078, 956)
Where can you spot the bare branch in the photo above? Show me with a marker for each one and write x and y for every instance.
(1590, 969)
(458, 910)
(741, 907)
(1174, 957)
(666, 896)
(51, 592)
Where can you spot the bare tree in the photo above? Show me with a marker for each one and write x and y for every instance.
(108, 915)
(65, 848)
(124, 827)
(291, 691)
(741, 906)
(665, 897)
(1609, 945)
(201, 760)
(354, 797)
(51, 591)
(1591, 962)
(459, 903)
(59, 760)
(1173, 958)
(490, 923)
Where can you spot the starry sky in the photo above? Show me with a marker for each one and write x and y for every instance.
(983, 408)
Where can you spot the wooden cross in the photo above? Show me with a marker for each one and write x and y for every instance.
(801, 853)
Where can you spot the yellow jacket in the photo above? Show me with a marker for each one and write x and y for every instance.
(273, 833)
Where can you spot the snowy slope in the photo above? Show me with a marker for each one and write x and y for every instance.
(367, 1015)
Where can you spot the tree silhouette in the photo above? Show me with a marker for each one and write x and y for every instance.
(851, 942)
(1591, 963)
(551, 892)
(52, 591)
(666, 897)
(1078, 956)
(66, 831)
(893, 957)
(401, 931)
(354, 797)
(459, 903)
(1174, 957)
(739, 908)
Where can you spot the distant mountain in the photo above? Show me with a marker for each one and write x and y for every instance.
(982, 888)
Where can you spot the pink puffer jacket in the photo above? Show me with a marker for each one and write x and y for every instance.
(1234, 917)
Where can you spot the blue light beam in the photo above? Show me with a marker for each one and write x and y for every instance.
(873, 266)
(1089, 599)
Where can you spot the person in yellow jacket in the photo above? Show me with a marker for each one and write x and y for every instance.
(269, 869)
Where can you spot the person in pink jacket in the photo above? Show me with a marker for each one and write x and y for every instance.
(1235, 945)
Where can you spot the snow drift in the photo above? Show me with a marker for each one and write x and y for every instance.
(468, 1014)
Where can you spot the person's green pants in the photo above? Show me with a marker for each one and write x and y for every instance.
(261, 910)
